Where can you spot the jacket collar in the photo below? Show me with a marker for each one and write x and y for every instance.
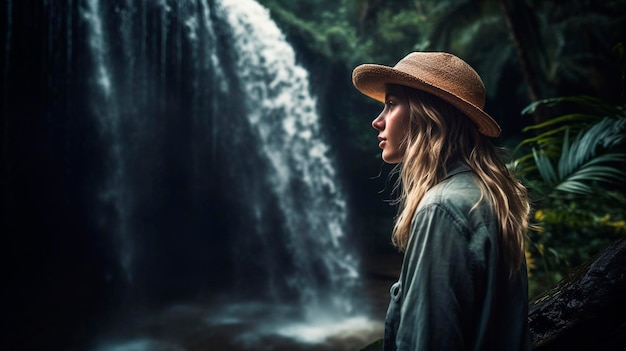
(457, 168)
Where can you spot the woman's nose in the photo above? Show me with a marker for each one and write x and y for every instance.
(379, 123)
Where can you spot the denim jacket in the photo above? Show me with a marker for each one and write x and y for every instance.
(454, 291)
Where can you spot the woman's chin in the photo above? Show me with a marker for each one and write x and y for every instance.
(391, 160)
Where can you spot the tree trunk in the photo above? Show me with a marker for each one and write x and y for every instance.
(524, 35)
(586, 310)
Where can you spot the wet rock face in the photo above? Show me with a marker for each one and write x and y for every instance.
(587, 310)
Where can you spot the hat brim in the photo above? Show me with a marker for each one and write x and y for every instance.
(370, 79)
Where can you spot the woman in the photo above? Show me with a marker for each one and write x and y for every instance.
(462, 215)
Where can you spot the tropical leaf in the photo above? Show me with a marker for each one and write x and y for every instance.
(551, 137)
(594, 129)
(579, 167)
(597, 105)
(573, 119)
(545, 168)
(579, 182)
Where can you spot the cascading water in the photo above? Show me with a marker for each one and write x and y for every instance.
(116, 190)
(283, 114)
(213, 137)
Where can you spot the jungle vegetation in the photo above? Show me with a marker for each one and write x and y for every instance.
(555, 77)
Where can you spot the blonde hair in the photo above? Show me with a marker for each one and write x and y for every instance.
(440, 135)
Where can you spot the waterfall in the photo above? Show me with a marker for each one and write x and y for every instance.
(116, 191)
(214, 138)
(280, 108)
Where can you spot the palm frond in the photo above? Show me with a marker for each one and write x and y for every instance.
(594, 131)
(568, 162)
(595, 104)
(572, 118)
(580, 182)
(544, 166)
(579, 167)
(550, 137)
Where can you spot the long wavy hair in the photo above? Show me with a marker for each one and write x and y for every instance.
(439, 136)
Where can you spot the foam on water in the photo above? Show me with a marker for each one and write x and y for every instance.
(291, 322)
(314, 332)
(143, 344)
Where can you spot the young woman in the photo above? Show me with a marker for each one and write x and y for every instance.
(462, 214)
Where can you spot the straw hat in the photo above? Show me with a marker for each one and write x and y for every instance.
(438, 73)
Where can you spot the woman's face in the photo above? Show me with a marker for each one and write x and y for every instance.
(392, 124)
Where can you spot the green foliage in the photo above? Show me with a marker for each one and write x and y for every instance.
(576, 184)
(322, 37)
(578, 166)
(393, 35)
(352, 31)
